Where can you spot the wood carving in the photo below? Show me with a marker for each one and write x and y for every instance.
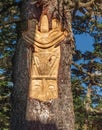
(45, 59)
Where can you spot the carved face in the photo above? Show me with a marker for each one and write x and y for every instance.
(44, 89)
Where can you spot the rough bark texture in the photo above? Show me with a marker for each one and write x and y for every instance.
(31, 114)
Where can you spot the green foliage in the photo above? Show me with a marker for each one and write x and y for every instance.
(4, 105)
(87, 79)
(78, 99)
(9, 16)
(87, 88)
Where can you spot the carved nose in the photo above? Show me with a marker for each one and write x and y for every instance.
(44, 85)
(44, 24)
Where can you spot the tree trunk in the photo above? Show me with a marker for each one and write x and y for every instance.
(31, 113)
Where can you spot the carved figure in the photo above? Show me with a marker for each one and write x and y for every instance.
(45, 59)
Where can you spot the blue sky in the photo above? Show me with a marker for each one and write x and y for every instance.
(84, 42)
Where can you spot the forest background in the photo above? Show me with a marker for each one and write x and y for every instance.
(86, 66)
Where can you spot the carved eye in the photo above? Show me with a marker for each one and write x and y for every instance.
(51, 87)
(37, 83)
(36, 86)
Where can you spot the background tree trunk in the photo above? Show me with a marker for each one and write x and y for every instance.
(31, 114)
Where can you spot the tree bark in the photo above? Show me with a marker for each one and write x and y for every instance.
(32, 114)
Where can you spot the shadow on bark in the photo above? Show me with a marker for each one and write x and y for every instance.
(36, 125)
